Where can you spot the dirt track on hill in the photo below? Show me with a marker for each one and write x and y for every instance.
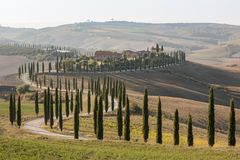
(34, 126)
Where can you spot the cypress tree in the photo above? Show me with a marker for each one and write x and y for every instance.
(106, 100)
(51, 112)
(232, 125)
(11, 109)
(19, 114)
(42, 67)
(145, 116)
(14, 107)
(100, 119)
(80, 101)
(123, 95)
(211, 119)
(60, 113)
(71, 106)
(56, 103)
(82, 83)
(44, 80)
(48, 103)
(190, 131)
(176, 128)
(119, 115)
(89, 102)
(92, 85)
(67, 104)
(95, 114)
(112, 99)
(45, 107)
(36, 104)
(127, 122)
(37, 67)
(76, 118)
(159, 122)
(157, 48)
(49, 67)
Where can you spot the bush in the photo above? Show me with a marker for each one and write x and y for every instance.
(23, 89)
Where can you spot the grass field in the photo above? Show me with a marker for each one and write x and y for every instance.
(110, 131)
(42, 148)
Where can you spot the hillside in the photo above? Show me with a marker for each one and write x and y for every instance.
(117, 35)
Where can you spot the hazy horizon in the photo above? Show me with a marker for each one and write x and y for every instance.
(41, 14)
(117, 21)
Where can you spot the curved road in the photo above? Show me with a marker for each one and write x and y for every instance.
(34, 126)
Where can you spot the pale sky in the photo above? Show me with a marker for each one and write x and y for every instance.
(44, 13)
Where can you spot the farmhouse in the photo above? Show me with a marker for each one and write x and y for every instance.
(104, 55)
(130, 54)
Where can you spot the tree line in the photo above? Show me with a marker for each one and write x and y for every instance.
(68, 64)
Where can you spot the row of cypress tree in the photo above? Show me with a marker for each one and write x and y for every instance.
(190, 137)
(15, 115)
(146, 61)
(101, 95)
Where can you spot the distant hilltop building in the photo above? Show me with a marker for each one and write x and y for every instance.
(134, 54)
(130, 54)
(104, 55)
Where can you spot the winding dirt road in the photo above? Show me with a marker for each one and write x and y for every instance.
(34, 126)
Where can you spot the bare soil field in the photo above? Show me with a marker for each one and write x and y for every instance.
(10, 64)
(228, 64)
(8, 73)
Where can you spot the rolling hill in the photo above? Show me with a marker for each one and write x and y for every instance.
(121, 35)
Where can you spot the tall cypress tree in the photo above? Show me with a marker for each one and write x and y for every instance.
(36, 103)
(95, 114)
(119, 115)
(82, 83)
(60, 113)
(81, 101)
(71, 106)
(48, 103)
(190, 131)
(159, 122)
(19, 114)
(211, 119)
(67, 104)
(123, 95)
(56, 103)
(112, 99)
(106, 100)
(232, 125)
(89, 102)
(145, 116)
(11, 109)
(45, 107)
(76, 118)
(51, 112)
(127, 122)
(49, 67)
(14, 107)
(176, 128)
(42, 67)
(100, 119)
